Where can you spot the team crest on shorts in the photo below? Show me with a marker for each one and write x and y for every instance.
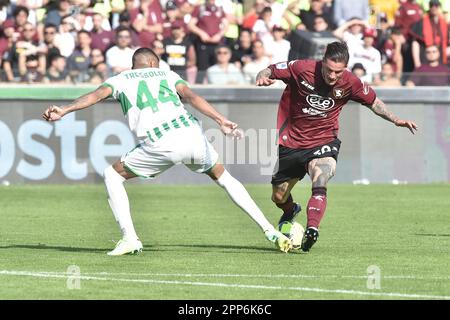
(338, 93)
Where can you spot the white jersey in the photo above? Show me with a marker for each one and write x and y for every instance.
(150, 101)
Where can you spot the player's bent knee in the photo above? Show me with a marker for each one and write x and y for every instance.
(278, 197)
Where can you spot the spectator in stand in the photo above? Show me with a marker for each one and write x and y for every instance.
(117, 7)
(172, 15)
(47, 47)
(54, 16)
(147, 20)
(278, 9)
(391, 51)
(28, 41)
(253, 14)
(31, 69)
(101, 39)
(445, 7)
(258, 63)
(351, 32)
(224, 72)
(26, 52)
(179, 50)
(234, 12)
(278, 49)
(98, 70)
(119, 57)
(10, 58)
(321, 25)
(186, 9)
(65, 38)
(383, 31)
(432, 29)
(209, 24)
(388, 77)
(316, 9)
(33, 7)
(406, 16)
(344, 10)
(431, 73)
(263, 27)
(4, 46)
(359, 71)
(243, 50)
(79, 61)
(158, 48)
(367, 55)
(57, 72)
(20, 14)
(125, 22)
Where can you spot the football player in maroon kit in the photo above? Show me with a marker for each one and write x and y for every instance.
(308, 127)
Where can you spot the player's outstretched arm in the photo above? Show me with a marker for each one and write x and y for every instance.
(54, 113)
(228, 127)
(263, 78)
(380, 109)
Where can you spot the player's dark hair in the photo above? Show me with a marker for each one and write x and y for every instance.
(147, 52)
(337, 51)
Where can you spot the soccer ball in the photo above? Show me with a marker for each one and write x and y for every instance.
(294, 231)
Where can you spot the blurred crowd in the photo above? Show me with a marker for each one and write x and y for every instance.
(224, 42)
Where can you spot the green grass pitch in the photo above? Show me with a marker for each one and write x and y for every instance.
(199, 245)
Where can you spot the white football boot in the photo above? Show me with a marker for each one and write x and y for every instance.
(126, 246)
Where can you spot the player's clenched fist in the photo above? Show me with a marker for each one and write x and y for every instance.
(53, 113)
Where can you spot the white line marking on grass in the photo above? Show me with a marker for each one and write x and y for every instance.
(227, 285)
(294, 276)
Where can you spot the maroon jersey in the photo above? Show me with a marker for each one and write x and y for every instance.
(209, 18)
(308, 113)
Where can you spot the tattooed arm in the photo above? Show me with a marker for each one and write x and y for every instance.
(54, 113)
(379, 108)
(263, 78)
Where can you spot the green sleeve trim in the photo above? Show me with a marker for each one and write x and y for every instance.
(181, 81)
(108, 85)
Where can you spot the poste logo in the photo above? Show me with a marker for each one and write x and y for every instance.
(319, 102)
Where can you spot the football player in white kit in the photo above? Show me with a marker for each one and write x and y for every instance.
(168, 134)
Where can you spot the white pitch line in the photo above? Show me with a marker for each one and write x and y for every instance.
(294, 276)
(227, 285)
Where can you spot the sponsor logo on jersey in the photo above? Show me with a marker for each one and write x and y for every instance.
(319, 105)
(306, 84)
(338, 93)
(319, 102)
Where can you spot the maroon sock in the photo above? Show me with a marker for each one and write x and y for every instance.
(288, 206)
(316, 206)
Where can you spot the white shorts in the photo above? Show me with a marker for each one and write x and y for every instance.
(188, 146)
